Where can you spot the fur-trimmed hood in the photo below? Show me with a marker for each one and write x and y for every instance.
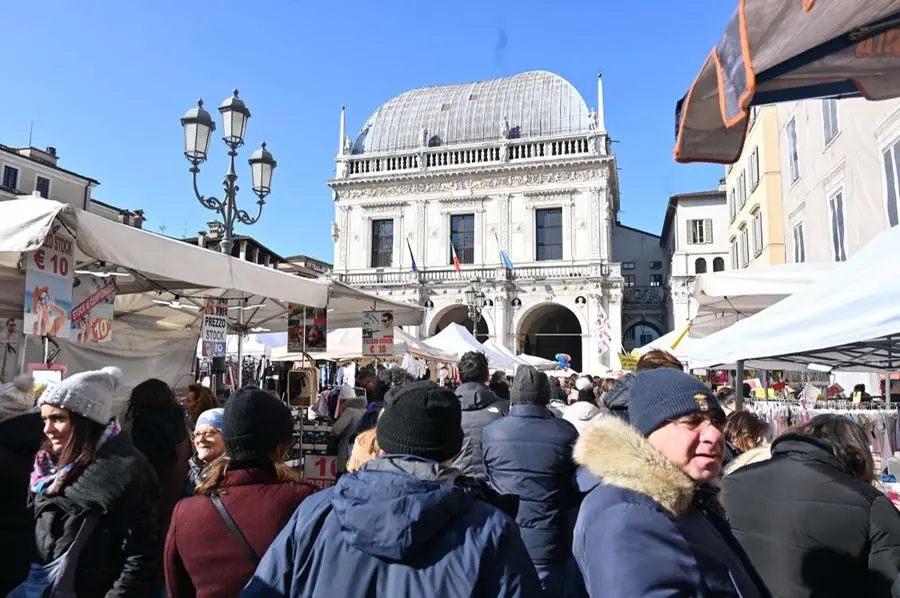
(617, 454)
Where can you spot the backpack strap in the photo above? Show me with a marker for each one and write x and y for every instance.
(234, 529)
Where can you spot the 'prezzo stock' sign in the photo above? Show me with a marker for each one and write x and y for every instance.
(215, 328)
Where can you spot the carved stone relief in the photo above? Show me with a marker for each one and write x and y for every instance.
(372, 190)
(381, 207)
(420, 230)
(344, 229)
(595, 200)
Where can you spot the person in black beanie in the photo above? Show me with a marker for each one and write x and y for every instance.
(529, 453)
(404, 523)
(255, 488)
(652, 521)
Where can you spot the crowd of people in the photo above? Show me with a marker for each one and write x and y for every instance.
(645, 486)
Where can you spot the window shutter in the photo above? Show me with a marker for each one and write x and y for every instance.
(707, 231)
(690, 230)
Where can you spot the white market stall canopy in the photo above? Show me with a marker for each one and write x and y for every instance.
(848, 320)
(534, 361)
(162, 268)
(778, 51)
(346, 344)
(457, 340)
(723, 298)
(664, 343)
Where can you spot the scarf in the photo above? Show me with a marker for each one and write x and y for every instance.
(46, 479)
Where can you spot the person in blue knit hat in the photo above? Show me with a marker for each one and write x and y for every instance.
(651, 525)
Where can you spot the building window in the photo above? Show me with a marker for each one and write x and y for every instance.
(732, 212)
(629, 280)
(735, 264)
(700, 266)
(656, 265)
(549, 234)
(836, 208)
(742, 188)
(753, 167)
(42, 186)
(647, 337)
(10, 177)
(799, 245)
(462, 237)
(656, 280)
(745, 247)
(891, 156)
(718, 265)
(793, 150)
(628, 265)
(382, 243)
(757, 234)
(830, 120)
(699, 231)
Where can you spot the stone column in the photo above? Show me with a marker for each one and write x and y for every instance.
(502, 311)
(613, 307)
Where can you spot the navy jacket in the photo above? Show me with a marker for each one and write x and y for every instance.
(529, 454)
(480, 406)
(647, 531)
(398, 528)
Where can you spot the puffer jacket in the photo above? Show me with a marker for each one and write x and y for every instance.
(616, 399)
(646, 529)
(811, 529)
(529, 454)
(20, 438)
(123, 556)
(401, 527)
(581, 414)
(480, 406)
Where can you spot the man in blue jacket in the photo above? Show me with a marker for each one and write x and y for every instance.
(405, 525)
(652, 526)
(529, 453)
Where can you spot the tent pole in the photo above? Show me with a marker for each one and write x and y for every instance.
(240, 349)
(739, 386)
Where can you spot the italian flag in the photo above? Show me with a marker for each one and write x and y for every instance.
(455, 259)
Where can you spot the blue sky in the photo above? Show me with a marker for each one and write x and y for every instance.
(105, 82)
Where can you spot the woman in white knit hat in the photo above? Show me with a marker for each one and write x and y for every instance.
(95, 497)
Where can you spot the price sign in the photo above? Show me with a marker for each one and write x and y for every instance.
(320, 467)
(48, 286)
(215, 329)
(378, 333)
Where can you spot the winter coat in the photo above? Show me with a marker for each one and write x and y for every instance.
(646, 530)
(811, 529)
(760, 453)
(123, 556)
(195, 475)
(163, 438)
(20, 438)
(581, 414)
(202, 557)
(731, 453)
(529, 454)
(399, 528)
(480, 406)
(616, 398)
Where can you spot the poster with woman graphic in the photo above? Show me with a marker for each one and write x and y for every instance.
(92, 314)
(48, 286)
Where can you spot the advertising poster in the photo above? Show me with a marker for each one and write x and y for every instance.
(215, 328)
(94, 302)
(307, 329)
(378, 333)
(13, 342)
(48, 286)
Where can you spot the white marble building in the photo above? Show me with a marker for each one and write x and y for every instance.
(695, 234)
(518, 163)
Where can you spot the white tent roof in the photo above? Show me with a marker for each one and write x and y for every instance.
(723, 298)
(664, 343)
(848, 320)
(162, 267)
(457, 340)
(534, 361)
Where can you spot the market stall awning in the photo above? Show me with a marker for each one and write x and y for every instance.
(456, 339)
(848, 320)
(776, 51)
(723, 298)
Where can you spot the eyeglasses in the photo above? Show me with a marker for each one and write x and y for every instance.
(206, 435)
(697, 420)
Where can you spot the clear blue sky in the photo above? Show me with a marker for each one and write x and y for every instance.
(105, 82)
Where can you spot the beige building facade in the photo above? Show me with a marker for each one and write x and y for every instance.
(754, 187)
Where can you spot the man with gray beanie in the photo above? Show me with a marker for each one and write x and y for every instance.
(652, 524)
(405, 524)
(529, 453)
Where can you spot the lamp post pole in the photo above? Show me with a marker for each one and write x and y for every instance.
(473, 297)
(198, 128)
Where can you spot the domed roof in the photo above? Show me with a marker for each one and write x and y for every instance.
(534, 104)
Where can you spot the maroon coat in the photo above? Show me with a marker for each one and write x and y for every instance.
(203, 558)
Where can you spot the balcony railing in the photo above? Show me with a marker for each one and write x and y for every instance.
(528, 272)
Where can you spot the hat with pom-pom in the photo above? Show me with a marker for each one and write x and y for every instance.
(89, 394)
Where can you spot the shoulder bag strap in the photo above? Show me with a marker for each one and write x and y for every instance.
(234, 529)
(66, 580)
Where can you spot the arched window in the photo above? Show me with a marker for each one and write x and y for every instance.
(718, 264)
(700, 266)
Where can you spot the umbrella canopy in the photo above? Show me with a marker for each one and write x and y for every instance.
(776, 51)
(848, 320)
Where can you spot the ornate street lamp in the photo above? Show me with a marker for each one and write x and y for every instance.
(198, 128)
(474, 301)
